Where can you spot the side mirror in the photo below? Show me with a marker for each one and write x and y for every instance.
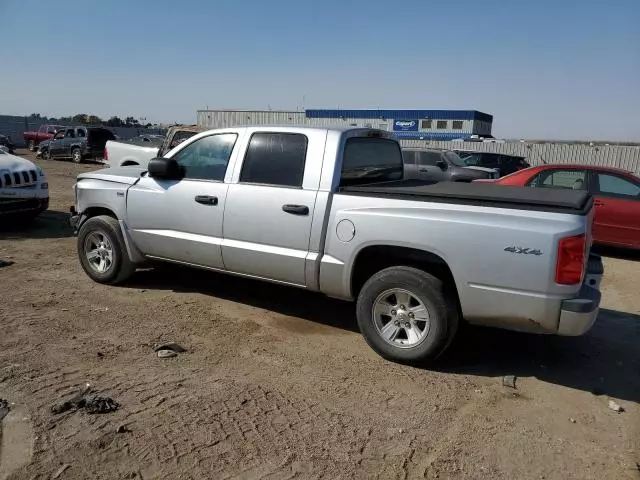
(166, 168)
(442, 164)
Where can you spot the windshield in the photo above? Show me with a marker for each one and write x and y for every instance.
(369, 160)
(455, 159)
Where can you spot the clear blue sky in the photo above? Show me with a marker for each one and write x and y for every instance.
(553, 69)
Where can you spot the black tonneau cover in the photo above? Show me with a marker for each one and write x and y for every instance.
(481, 194)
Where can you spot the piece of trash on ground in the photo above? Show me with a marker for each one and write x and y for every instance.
(509, 381)
(4, 408)
(615, 407)
(166, 354)
(60, 471)
(6, 263)
(169, 346)
(84, 400)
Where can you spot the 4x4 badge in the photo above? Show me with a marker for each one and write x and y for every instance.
(523, 250)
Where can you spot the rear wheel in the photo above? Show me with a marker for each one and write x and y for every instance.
(31, 145)
(102, 251)
(406, 315)
(76, 155)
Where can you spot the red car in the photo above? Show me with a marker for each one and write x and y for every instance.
(616, 193)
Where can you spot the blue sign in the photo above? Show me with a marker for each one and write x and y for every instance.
(405, 125)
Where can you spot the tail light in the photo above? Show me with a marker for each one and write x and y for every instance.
(106, 154)
(570, 262)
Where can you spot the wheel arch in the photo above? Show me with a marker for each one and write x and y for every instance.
(374, 258)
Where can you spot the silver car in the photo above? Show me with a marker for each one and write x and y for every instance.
(435, 165)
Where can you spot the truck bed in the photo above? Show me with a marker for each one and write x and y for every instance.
(481, 194)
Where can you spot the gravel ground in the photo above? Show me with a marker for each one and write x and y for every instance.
(277, 383)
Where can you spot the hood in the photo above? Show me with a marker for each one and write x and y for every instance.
(12, 163)
(126, 175)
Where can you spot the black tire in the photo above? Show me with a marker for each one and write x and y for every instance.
(76, 155)
(45, 154)
(431, 291)
(31, 145)
(121, 267)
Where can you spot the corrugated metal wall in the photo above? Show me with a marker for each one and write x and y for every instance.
(625, 157)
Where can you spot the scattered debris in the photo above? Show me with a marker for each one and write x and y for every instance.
(60, 471)
(91, 403)
(169, 346)
(509, 381)
(615, 407)
(6, 263)
(122, 429)
(100, 354)
(4, 408)
(166, 354)
(572, 420)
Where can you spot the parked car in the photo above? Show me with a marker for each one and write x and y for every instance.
(616, 193)
(435, 165)
(329, 210)
(76, 143)
(131, 153)
(45, 132)
(504, 164)
(6, 142)
(24, 191)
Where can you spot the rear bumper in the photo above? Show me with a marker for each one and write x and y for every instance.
(577, 315)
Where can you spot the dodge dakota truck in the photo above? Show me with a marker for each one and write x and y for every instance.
(328, 210)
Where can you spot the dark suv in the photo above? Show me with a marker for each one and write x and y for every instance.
(505, 164)
(77, 143)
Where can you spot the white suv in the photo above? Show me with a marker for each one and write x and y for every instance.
(24, 191)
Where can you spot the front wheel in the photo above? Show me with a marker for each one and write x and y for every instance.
(406, 315)
(76, 155)
(46, 154)
(102, 252)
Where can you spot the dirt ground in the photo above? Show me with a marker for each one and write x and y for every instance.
(277, 383)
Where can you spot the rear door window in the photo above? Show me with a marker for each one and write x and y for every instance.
(275, 159)
(568, 179)
(611, 185)
(430, 159)
(409, 157)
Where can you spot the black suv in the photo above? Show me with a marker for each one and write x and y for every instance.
(505, 164)
(77, 143)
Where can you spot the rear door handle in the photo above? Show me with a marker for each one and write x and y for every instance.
(296, 209)
(425, 170)
(598, 203)
(206, 199)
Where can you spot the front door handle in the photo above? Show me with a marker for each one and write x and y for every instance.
(424, 170)
(206, 200)
(598, 203)
(296, 209)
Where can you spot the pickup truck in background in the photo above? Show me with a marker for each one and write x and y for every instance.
(328, 210)
(123, 153)
(76, 143)
(45, 132)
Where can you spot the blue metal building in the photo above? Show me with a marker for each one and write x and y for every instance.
(405, 124)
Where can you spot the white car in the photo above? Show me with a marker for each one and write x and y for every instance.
(24, 190)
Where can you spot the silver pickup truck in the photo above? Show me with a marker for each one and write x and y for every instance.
(328, 210)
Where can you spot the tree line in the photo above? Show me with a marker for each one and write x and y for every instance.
(84, 119)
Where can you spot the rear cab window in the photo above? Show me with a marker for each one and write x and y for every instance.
(369, 160)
